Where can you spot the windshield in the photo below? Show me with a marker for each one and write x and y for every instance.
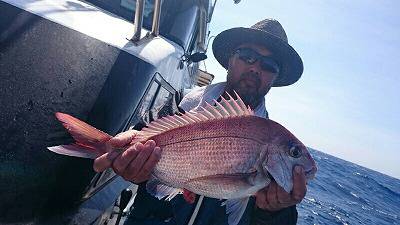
(177, 21)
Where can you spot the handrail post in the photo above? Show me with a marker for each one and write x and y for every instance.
(155, 30)
(138, 23)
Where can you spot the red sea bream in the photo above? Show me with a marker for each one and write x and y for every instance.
(223, 151)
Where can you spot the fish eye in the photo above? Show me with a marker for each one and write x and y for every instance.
(295, 151)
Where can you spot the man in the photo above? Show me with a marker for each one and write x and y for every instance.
(256, 58)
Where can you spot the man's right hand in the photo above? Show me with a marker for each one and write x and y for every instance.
(135, 164)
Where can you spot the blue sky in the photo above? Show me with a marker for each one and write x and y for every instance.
(347, 101)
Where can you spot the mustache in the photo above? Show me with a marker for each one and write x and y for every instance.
(251, 75)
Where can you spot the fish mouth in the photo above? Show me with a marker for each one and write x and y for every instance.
(310, 174)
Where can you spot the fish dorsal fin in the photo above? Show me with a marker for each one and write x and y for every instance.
(226, 108)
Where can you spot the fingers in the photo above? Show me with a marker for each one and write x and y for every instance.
(139, 161)
(140, 168)
(272, 198)
(299, 184)
(122, 139)
(105, 161)
(144, 173)
(267, 198)
(261, 198)
(283, 197)
(134, 164)
(122, 161)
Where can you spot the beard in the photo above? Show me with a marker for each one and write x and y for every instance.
(249, 98)
(248, 87)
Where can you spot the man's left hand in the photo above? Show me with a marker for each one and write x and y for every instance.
(273, 197)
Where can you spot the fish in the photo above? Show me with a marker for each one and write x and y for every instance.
(222, 150)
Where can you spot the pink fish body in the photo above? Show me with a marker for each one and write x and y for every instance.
(223, 151)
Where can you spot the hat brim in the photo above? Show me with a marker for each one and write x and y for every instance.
(291, 65)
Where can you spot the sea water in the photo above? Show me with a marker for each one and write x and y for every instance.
(345, 193)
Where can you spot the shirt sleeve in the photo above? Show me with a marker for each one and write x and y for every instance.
(286, 216)
(192, 99)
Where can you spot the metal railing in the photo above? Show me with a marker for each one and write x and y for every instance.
(138, 23)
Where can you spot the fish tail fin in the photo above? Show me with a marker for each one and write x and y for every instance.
(90, 142)
(76, 151)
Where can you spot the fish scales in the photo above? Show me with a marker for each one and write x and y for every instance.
(205, 159)
(232, 146)
(176, 169)
(244, 126)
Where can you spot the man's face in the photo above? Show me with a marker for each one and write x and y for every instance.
(250, 80)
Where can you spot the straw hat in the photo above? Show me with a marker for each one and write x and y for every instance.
(268, 33)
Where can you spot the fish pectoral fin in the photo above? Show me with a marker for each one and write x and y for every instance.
(235, 209)
(160, 190)
(225, 178)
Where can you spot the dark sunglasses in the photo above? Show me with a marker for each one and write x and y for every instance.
(250, 56)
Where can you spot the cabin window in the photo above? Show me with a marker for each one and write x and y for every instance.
(143, 112)
(158, 101)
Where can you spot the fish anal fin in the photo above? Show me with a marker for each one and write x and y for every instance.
(160, 190)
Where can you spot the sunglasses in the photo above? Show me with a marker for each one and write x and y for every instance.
(250, 56)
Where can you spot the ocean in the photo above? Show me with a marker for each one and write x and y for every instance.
(345, 193)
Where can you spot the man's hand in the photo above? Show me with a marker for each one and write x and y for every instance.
(273, 197)
(135, 163)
